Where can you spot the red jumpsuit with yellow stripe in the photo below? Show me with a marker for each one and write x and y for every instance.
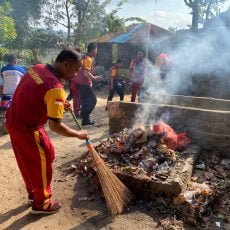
(40, 96)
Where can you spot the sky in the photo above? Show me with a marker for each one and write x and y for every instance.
(164, 13)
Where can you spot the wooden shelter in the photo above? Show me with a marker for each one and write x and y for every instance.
(147, 37)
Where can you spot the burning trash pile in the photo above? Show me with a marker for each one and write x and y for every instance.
(148, 156)
(147, 160)
(140, 151)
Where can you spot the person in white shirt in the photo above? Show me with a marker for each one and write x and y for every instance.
(11, 74)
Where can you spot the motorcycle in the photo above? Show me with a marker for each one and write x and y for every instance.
(5, 102)
(4, 106)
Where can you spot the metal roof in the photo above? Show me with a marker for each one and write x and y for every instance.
(125, 37)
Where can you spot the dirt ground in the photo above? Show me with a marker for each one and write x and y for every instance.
(75, 214)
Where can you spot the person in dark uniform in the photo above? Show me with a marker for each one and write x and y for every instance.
(116, 83)
(84, 82)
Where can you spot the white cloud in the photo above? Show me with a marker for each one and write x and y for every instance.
(167, 19)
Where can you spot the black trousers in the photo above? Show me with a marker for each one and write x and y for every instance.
(115, 88)
(88, 101)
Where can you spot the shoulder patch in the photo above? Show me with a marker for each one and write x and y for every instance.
(35, 77)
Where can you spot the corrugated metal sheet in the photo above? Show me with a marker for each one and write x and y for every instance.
(125, 37)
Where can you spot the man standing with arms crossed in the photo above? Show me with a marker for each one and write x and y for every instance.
(40, 97)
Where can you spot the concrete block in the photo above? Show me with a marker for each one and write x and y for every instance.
(208, 128)
(191, 101)
(145, 187)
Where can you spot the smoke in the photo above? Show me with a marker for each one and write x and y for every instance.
(199, 66)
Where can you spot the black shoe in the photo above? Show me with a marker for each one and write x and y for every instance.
(87, 122)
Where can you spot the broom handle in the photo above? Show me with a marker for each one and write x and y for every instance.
(88, 142)
(75, 119)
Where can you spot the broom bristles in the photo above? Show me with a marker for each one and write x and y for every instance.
(117, 195)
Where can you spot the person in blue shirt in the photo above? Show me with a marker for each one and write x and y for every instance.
(11, 76)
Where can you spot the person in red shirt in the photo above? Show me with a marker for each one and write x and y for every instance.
(84, 80)
(74, 93)
(162, 62)
(137, 72)
(39, 98)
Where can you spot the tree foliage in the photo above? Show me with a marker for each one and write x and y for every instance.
(115, 24)
(40, 40)
(60, 13)
(25, 13)
(202, 10)
(90, 19)
(82, 19)
(7, 26)
(210, 8)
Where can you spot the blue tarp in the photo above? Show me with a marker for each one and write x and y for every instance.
(125, 37)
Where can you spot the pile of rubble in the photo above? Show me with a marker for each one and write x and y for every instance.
(134, 151)
(140, 152)
(207, 198)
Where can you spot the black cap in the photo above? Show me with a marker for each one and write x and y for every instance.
(91, 47)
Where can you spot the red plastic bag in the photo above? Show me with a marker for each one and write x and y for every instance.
(161, 127)
(168, 135)
(182, 141)
(173, 140)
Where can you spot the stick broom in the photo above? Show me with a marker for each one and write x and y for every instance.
(117, 195)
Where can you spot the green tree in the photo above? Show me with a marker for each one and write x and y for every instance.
(83, 19)
(202, 10)
(115, 24)
(40, 40)
(211, 8)
(90, 19)
(101, 22)
(194, 5)
(60, 13)
(7, 27)
(25, 13)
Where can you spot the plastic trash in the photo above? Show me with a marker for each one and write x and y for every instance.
(148, 164)
(225, 163)
(201, 166)
(163, 167)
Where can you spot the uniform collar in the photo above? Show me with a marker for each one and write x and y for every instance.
(53, 70)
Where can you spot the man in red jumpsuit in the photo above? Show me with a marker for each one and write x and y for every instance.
(40, 97)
